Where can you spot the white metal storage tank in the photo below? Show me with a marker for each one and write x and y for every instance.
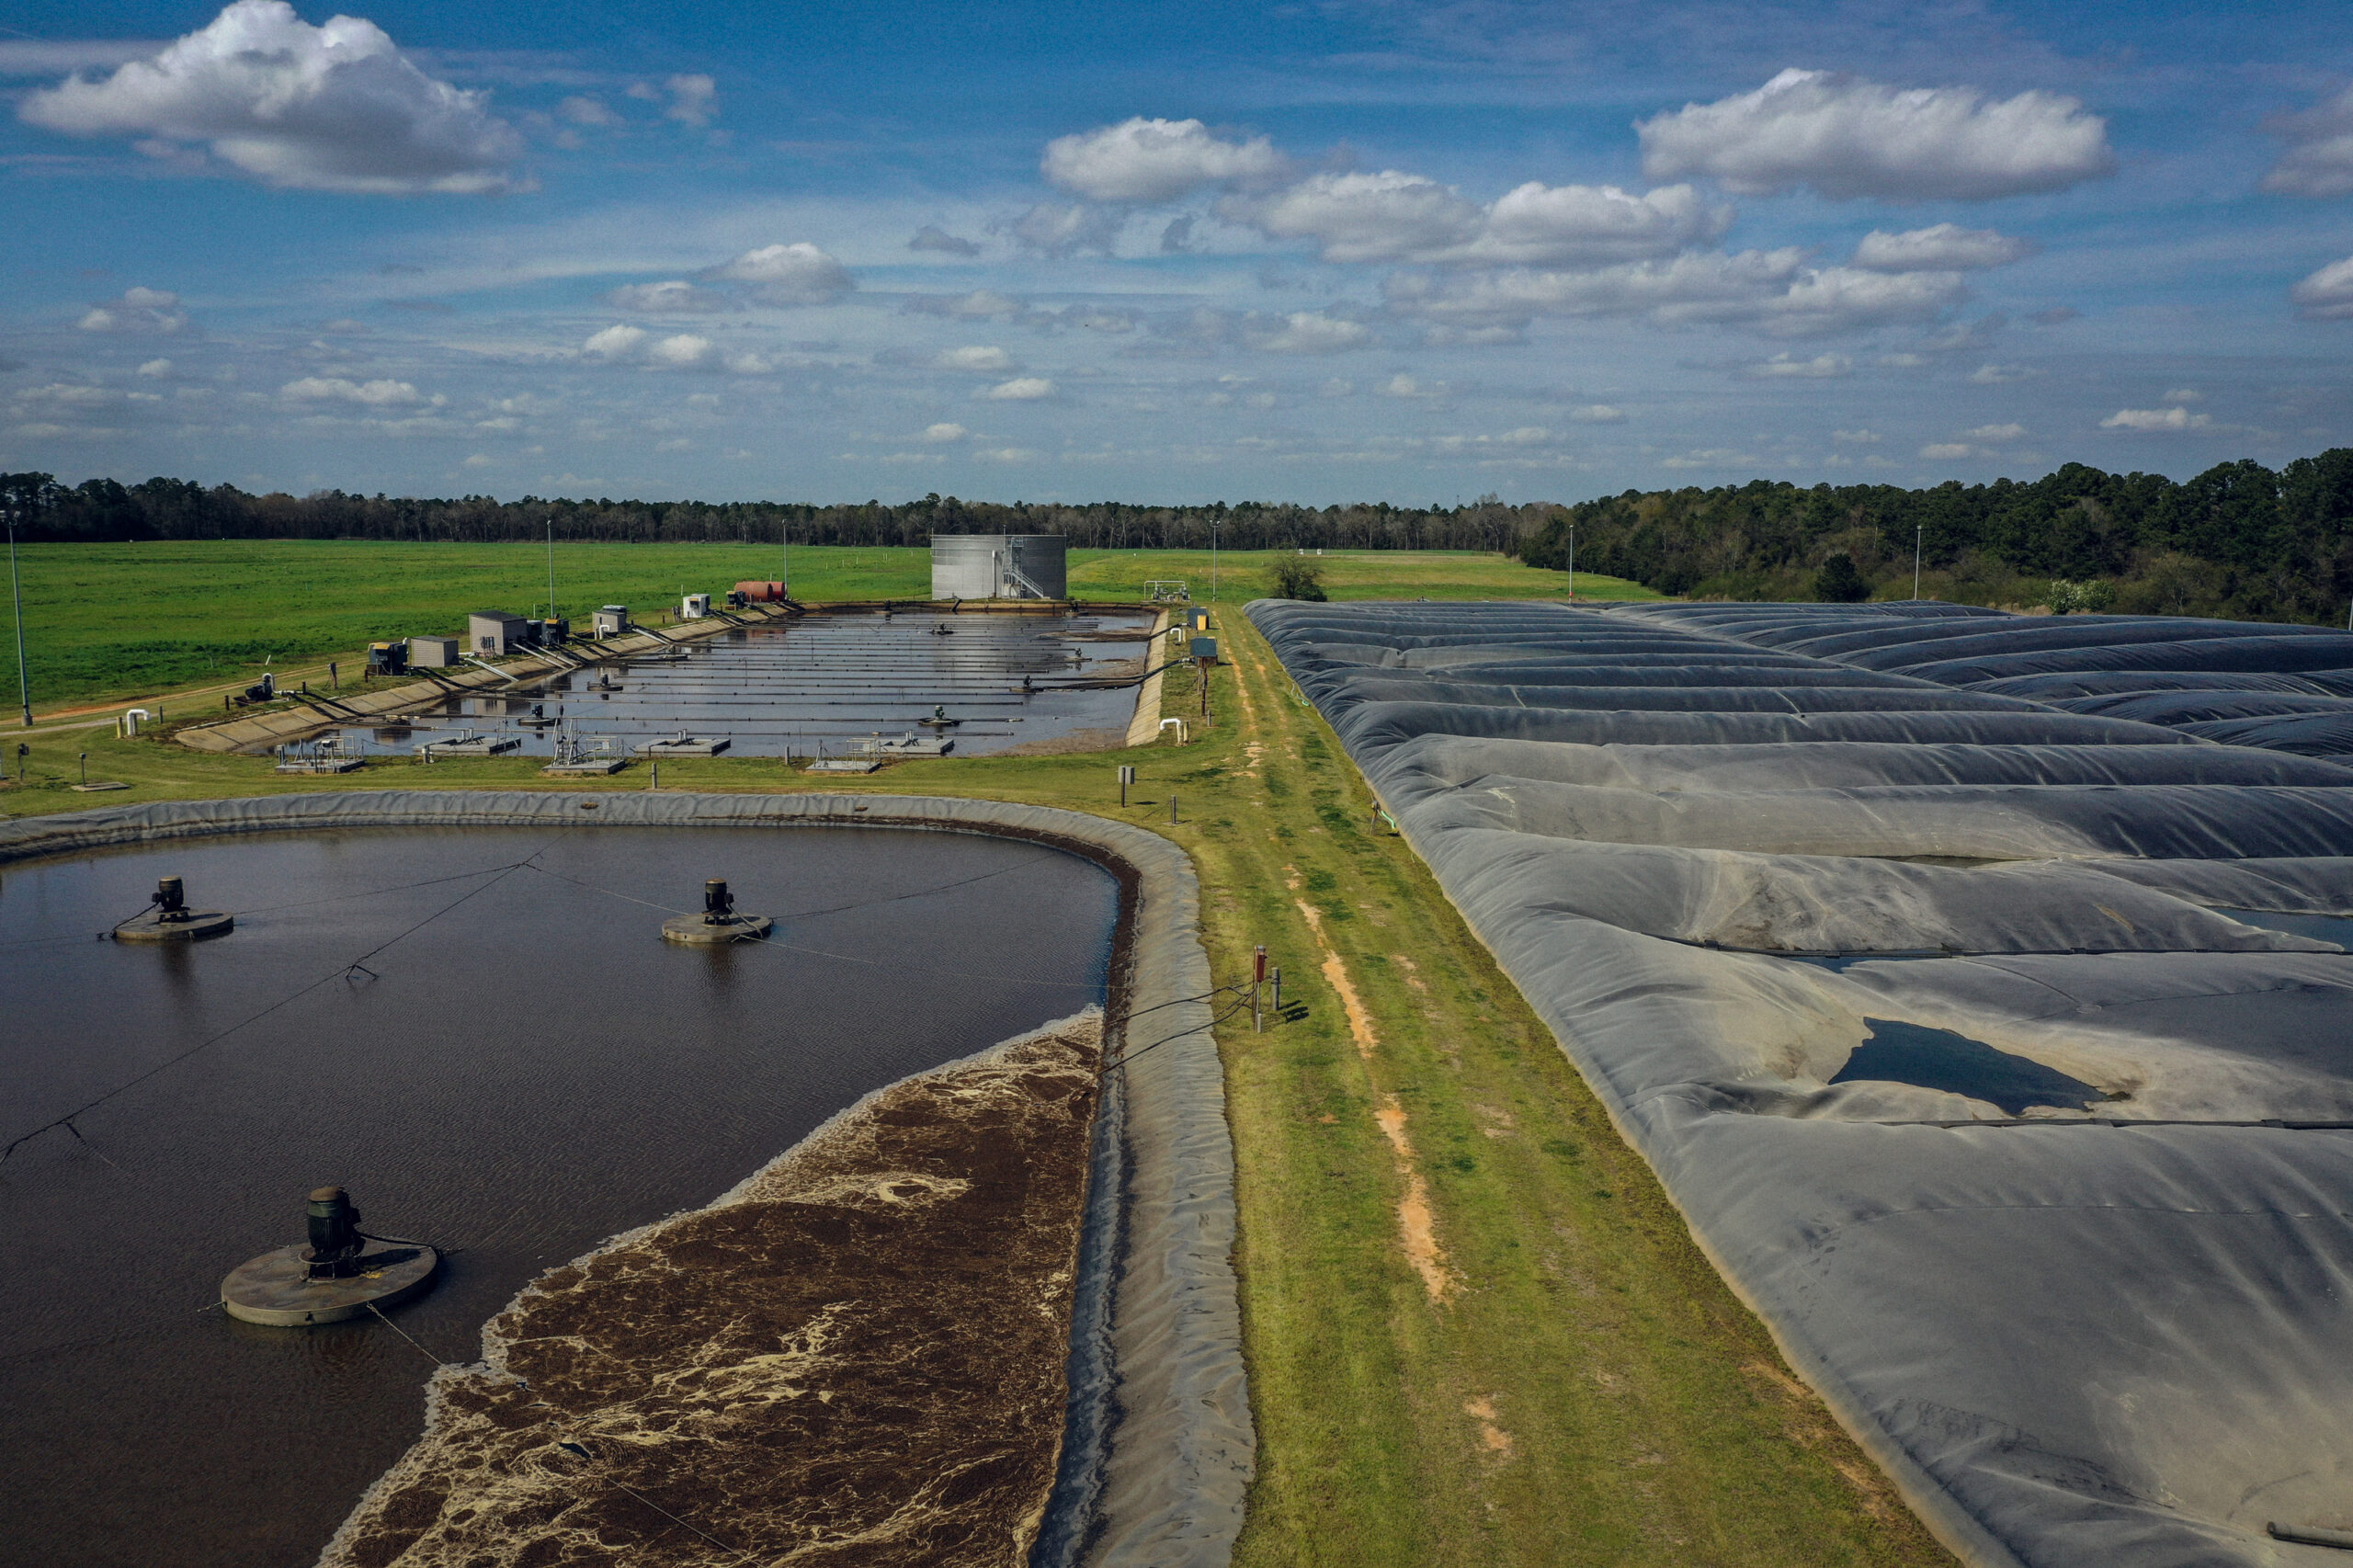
(964, 566)
(999, 566)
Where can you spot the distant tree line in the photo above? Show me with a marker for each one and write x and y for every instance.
(2239, 540)
(102, 510)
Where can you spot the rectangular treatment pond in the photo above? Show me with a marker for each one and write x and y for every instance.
(480, 1033)
(818, 685)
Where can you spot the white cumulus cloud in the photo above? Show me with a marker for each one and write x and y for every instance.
(2319, 159)
(385, 393)
(1569, 225)
(1822, 367)
(1310, 332)
(676, 296)
(334, 108)
(1366, 217)
(614, 343)
(156, 368)
(981, 304)
(978, 357)
(1151, 161)
(1058, 229)
(2326, 295)
(684, 352)
(583, 110)
(1946, 248)
(1772, 292)
(788, 274)
(1996, 433)
(139, 310)
(941, 434)
(1849, 137)
(1394, 216)
(1945, 450)
(693, 99)
(1597, 414)
(1022, 389)
(2175, 419)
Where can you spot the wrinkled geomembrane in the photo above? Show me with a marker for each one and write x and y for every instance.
(1904, 941)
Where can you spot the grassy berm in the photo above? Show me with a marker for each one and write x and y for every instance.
(1478, 1331)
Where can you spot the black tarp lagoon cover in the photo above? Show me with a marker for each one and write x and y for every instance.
(1971, 981)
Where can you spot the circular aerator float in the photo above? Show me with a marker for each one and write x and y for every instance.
(341, 1274)
(718, 922)
(169, 919)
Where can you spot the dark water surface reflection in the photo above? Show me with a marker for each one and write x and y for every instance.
(525, 1074)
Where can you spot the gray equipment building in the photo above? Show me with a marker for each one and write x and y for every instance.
(998, 566)
(492, 634)
(432, 652)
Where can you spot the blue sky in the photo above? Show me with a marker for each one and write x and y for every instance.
(1317, 253)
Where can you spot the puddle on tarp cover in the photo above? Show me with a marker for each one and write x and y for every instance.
(2337, 928)
(529, 1074)
(1898, 1052)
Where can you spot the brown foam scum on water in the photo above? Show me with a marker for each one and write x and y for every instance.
(856, 1356)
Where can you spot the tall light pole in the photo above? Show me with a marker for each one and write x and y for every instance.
(1213, 559)
(1573, 564)
(551, 565)
(1917, 529)
(24, 688)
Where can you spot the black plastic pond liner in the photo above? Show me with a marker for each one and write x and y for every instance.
(1941, 1024)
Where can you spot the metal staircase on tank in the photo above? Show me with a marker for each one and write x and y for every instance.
(1015, 577)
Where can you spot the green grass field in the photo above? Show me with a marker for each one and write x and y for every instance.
(146, 620)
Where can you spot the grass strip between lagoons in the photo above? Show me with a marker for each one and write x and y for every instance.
(1478, 1331)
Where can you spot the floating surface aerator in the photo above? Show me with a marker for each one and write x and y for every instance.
(169, 919)
(342, 1273)
(717, 923)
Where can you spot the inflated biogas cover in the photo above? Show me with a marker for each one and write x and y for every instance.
(1991, 1023)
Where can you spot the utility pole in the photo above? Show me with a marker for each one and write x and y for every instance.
(1917, 529)
(1573, 564)
(552, 567)
(1212, 559)
(24, 685)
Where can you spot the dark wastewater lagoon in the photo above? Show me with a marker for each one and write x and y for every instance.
(517, 1069)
